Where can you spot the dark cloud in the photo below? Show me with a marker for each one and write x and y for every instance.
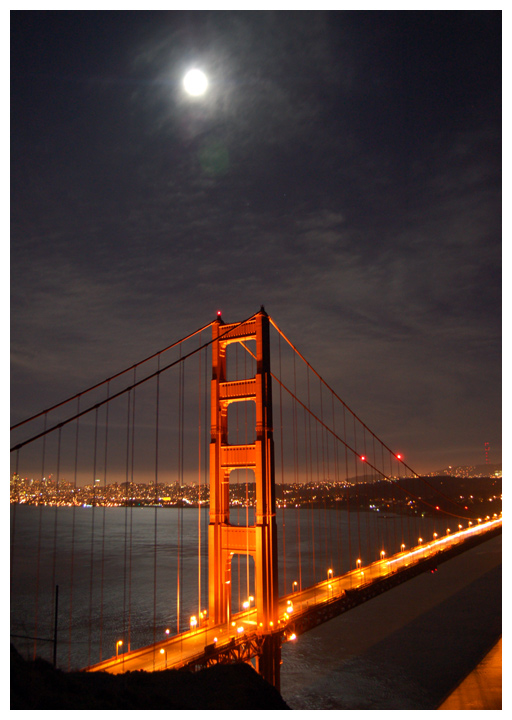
(344, 169)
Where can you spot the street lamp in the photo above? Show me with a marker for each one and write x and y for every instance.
(294, 586)
(402, 547)
(193, 622)
(118, 645)
(329, 573)
(358, 562)
(162, 652)
(382, 553)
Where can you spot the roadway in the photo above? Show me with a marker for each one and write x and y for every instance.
(179, 649)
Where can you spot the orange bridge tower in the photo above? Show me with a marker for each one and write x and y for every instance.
(259, 540)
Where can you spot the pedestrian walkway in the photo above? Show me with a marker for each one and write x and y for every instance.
(481, 689)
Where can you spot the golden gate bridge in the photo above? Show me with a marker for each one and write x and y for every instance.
(102, 584)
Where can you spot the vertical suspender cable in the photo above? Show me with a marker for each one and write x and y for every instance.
(349, 530)
(54, 558)
(381, 534)
(295, 450)
(326, 477)
(39, 540)
(310, 521)
(357, 491)
(407, 509)
(309, 466)
(339, 546)
(199, 489)
(237, 441)
(205, 469)
(91, 573)
(246, 493)
(127, 504)
(317, 515)
(391, 541)
(103, 528)
(73, 527)
(366, 480)
(132, 465)
(283, 503)
(180, 478)
(155, 539)
(399, 508)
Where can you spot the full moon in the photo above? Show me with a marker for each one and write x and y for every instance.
(195, 82)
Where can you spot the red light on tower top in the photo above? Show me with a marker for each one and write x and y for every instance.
(219, 313)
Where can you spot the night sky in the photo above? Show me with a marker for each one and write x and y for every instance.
(343, 169)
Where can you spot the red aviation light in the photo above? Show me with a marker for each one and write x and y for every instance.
(398, 456)
(219, 313)
(363, 458)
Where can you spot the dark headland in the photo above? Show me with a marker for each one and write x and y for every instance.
(36, 685)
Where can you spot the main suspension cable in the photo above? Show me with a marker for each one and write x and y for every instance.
(122, 392)
(365, 428)
(112, 377)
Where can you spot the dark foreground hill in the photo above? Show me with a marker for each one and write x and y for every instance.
(38, 686)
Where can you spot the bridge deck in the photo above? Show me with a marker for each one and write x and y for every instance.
(298, 611)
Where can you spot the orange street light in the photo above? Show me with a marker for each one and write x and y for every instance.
(118, 645)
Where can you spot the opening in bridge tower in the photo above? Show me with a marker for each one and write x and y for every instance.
(260, 539)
